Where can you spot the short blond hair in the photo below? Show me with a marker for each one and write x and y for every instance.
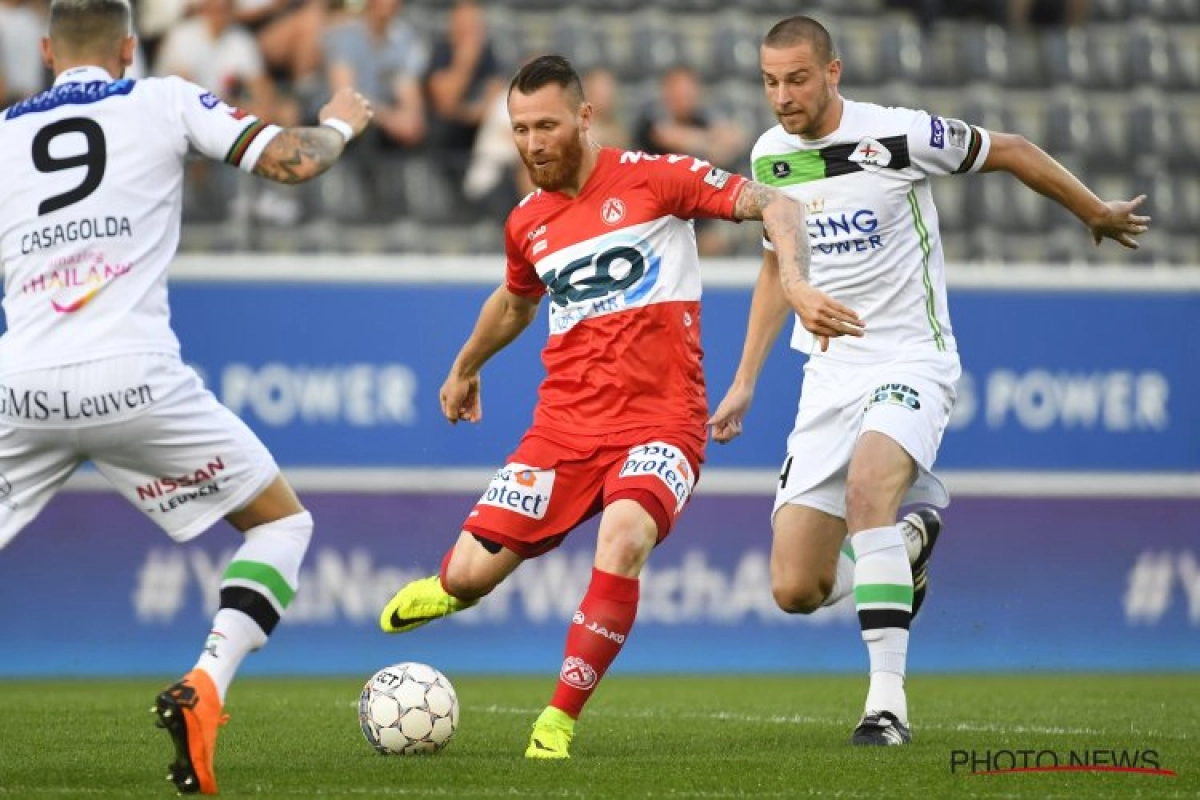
(88, 25)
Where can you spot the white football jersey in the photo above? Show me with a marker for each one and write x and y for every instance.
(92, 178)
(872, 224)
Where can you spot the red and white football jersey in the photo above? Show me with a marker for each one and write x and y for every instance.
(619, 264)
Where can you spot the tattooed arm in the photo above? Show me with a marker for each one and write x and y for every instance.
(300, 154)
(296, 155)
(786, 228)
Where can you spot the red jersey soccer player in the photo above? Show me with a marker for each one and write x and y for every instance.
(620, 420)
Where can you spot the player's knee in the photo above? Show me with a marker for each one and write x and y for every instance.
(867, 503)
(466, 581)
(624, 551)
(800, 596)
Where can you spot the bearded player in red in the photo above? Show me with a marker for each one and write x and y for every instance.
(619, 426)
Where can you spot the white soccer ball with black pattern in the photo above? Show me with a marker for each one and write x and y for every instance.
(408, 708)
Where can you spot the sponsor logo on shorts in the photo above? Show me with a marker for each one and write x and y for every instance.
(578, 673)
(522, 489)
(937, 133)
(39, 405)
(665, 462)
(897, 394)
(598, 629)
(173, 491)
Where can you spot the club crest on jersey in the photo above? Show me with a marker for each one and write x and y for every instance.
(612, 211)
(209, 100)
(871, 155)
(781, 169)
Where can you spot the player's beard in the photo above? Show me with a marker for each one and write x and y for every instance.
(810, 124)
(559, 173)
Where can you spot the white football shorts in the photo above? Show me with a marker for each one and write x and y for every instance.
(907, 400)
(149, 425)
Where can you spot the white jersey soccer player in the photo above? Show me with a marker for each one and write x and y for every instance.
(877, 249)
(879, 383)
(89, 367)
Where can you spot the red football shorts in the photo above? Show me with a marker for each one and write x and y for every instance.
(549, 487)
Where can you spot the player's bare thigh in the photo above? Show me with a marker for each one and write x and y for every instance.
(804, 555)
(272, 504)
(881, 473)
(627, 535)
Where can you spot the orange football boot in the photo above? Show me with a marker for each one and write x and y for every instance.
(190, 711)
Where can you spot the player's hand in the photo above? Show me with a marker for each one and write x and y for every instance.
(826, 318)
(726, 422)
(1118, 222)
(351, 108)
(460, 399)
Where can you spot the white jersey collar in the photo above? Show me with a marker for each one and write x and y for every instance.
(82, 75)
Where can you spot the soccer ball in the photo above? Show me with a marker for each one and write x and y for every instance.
(408, 708)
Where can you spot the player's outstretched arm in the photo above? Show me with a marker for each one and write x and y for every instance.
(503, 316)
(300, 154)
(783, 218)
(1039, 171)
(769, 309)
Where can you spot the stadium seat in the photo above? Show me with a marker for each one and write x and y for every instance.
(733, 51)
(950, 197)
(655, 45)
(1110, 10)
(908, 56)
(1149, 55)
(1108, 57)
(1157, 128)
(989, 54)
(582, 40)
(1064, 57)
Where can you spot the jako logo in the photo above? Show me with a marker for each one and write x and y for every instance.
(522, 489)
(667, 463)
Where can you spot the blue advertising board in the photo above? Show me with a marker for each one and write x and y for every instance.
(91, 587)
(348, 375)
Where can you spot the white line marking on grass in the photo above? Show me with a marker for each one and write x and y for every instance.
(803, 719)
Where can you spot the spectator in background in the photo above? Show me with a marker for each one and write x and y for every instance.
(1013, 13)
(384, 57)
(608, 129)
(22, 25)
(463, 83)
(678, 122)
(211, 49)
(289, 35)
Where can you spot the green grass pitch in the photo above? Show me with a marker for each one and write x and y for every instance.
(662, 736)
